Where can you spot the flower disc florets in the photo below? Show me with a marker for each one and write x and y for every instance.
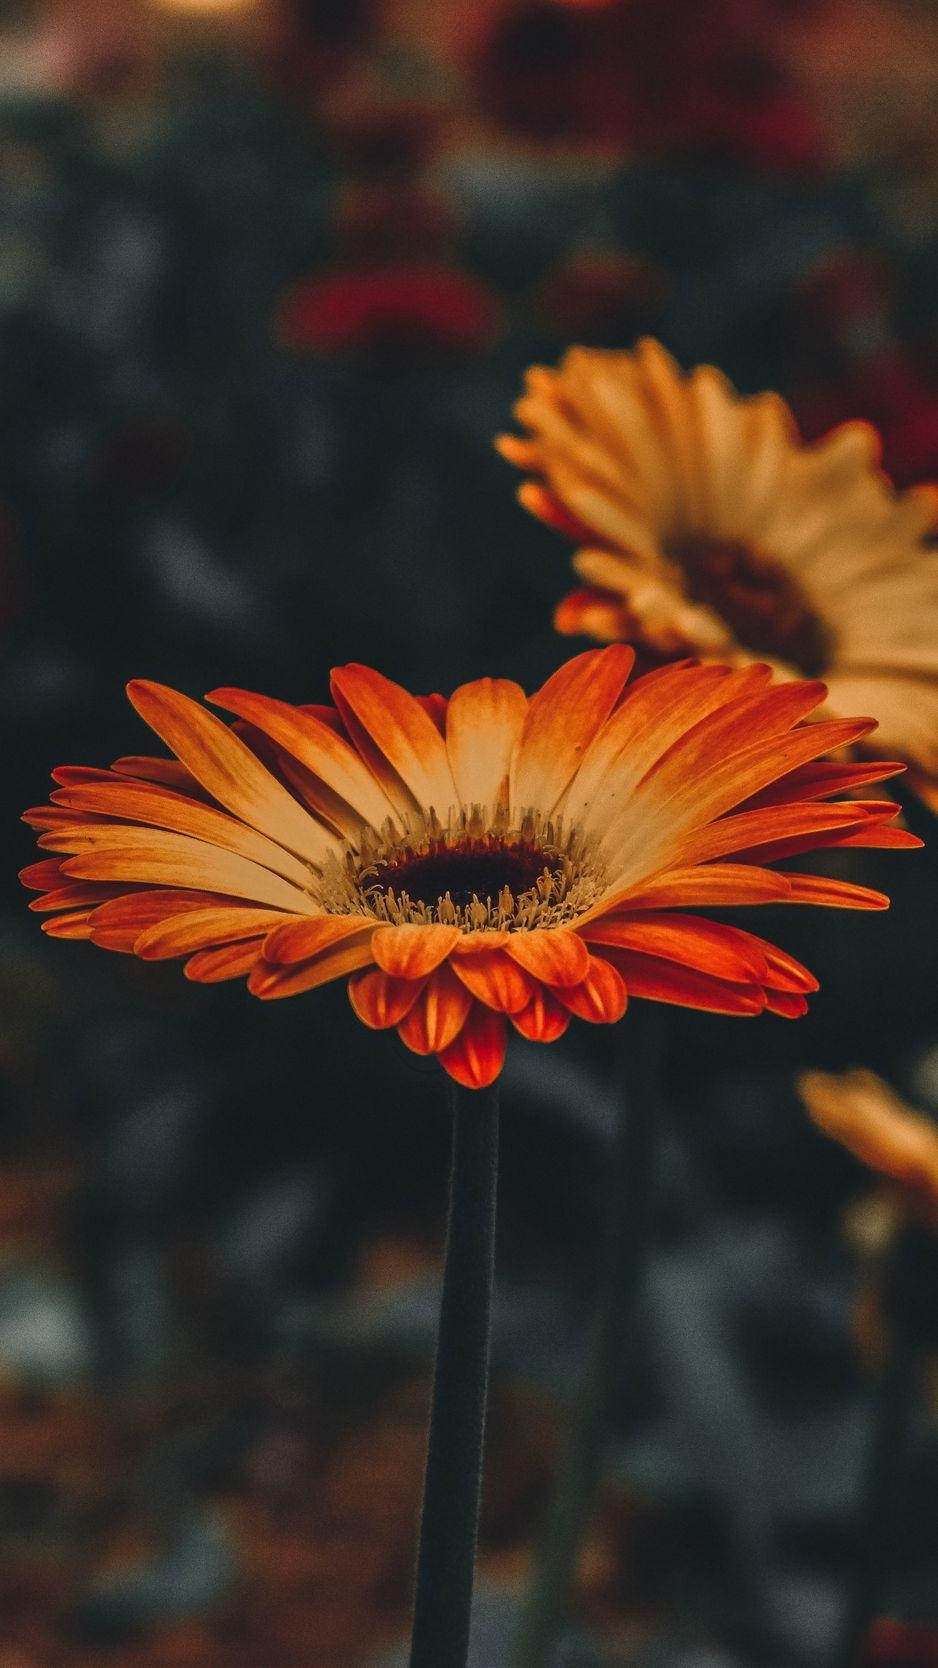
(479, 870)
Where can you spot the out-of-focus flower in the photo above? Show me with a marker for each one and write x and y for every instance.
(398, 307)
(867, 1117)
(470, 861)
(707, 79)
(724, 535)
(895, 1644)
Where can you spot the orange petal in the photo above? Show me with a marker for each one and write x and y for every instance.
(380, 1000)
(75, 925)
(602, 998)
(142, 802)
(483, 723)
(561, 721)
(495, 979)
(547, 507)
(40, 876)
(726, 952)
(412, 952)
(229, 770)
(819, 778)
(438, 1016)
(715, 885)
(80, 893)
(667, 981)
(169, 772)
(401, 734)
(478, 1053)
(118, 925)
(786, 1005)
(228, 961)
(347, 956)
(316, 745)
(553, 954)
(297, 940)
(836, 894)
(435, 708)
(544, 1019)
(760, 831)
(158, 857)
(591, 612)
(199, 929)
(53, 816)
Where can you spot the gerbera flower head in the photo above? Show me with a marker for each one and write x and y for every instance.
(707, 527)
(470, 863)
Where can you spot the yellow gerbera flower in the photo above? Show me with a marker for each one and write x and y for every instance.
(707, 527)
(469, 862)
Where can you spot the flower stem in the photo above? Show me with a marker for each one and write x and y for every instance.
(895, 1401)
(581, 1466)
(452, 1487)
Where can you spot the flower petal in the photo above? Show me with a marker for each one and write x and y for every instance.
(402, 736)
(553, 954)
(835, 894)
(40, 876)
(380, 1000)
(168, 773)
(483, 723)
(667, 981)
(414, 951)
(75, 925)
(297, 940)
(786, 1005)
(544, 1019)
(155, 856)
(726, 952)
(227, 961)
(601, 997)
(199, 929)
(561, 721)
(714, 885)
(81, 893)
(478, 1053)
(316, 745)
(118, 925)
(347, 956)
(229, 770)
(143, 803)
(495, 979)
(438, 1015)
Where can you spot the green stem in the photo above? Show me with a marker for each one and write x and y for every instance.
(452, 1487)
(895, 1402)
(580, 1473)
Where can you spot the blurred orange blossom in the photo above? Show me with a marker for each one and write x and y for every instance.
(706, 526)
(468, 862)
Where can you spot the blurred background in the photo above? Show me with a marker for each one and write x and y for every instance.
(270, 273)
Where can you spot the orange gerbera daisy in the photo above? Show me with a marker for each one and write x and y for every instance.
(469, 862)
(707, 527)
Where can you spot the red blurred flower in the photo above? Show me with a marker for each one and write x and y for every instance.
(893, 1644)
(395, 308)
(708, 77)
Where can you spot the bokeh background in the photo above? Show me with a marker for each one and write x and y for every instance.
(270, 273)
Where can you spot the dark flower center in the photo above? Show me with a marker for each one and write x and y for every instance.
(760, 601)
(480, 868)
